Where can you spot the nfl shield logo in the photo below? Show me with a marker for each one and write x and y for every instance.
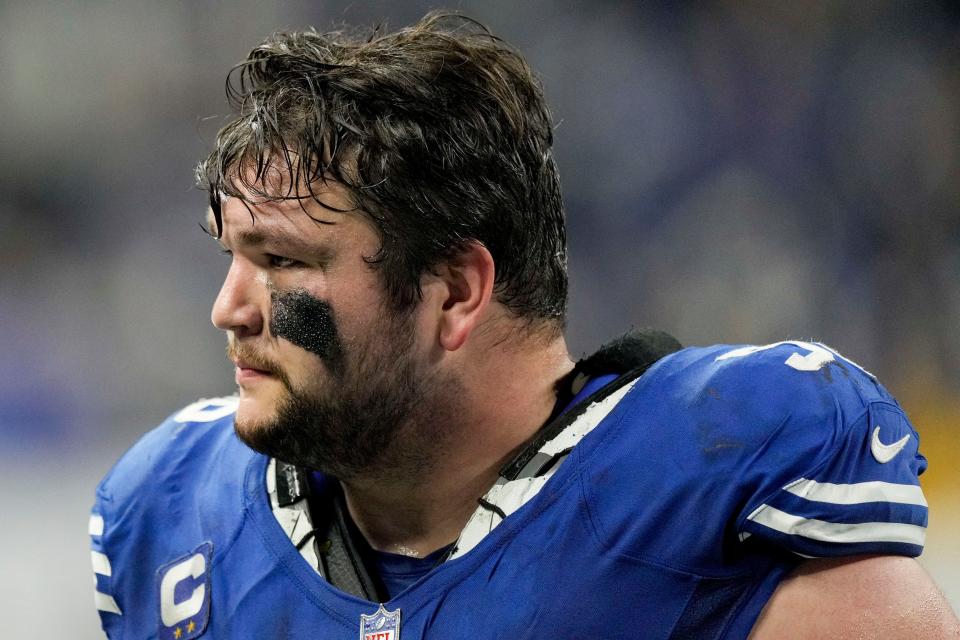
(382, 625)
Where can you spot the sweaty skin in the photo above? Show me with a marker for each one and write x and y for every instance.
(308, 323)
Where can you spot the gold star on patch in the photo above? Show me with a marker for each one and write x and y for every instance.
(191, 626)
(177, 632)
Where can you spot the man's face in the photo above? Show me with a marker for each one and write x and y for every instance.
(328, 371)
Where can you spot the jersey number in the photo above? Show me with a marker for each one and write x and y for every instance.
(207, 410)
(816, 358)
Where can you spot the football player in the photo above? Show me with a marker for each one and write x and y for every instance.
(413, 453)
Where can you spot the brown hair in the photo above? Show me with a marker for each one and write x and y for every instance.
(440, 133)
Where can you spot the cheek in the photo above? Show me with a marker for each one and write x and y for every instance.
(304, 321)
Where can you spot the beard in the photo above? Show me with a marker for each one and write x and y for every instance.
(380, 414)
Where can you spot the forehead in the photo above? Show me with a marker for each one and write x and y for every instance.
(253, 219)
(282, 183)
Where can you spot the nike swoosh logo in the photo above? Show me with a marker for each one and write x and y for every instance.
(886, 452)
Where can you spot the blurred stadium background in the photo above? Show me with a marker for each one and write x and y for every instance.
(736, 171)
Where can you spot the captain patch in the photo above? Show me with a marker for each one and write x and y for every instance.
(184, 586)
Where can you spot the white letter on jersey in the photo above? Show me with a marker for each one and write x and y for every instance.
(816, 359)
(172, 612)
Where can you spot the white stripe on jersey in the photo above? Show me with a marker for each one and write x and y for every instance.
(101, 564)
(858, 493)
(106, 603)
(849, 533)
(95, 527)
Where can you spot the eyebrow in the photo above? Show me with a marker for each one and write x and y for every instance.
(280, 239)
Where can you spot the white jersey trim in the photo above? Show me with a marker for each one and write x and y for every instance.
(858, 493)
(845, 533)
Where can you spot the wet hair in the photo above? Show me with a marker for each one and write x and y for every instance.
(439, 132)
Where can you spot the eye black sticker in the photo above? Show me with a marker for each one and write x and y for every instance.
(307, 322)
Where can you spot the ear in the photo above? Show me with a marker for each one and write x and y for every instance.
(467, 289)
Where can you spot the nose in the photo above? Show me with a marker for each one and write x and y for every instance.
(237, 307)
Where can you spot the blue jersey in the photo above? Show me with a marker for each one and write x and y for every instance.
(675, 504)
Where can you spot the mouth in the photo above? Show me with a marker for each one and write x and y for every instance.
(251, 366)
(246, 377)
(247, 372)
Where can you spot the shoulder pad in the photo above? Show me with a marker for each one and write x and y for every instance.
(718, 435)
(633, 350)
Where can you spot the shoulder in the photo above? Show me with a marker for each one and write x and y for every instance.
(792, 400)
(804, 380)
(730, 436)
(176, 449)
(182, 482)
(728, 404)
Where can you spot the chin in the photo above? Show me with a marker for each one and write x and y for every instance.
(253, 411)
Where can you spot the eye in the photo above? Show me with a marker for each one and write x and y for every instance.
(279, 262)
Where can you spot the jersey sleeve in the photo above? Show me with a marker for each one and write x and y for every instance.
(850, 485)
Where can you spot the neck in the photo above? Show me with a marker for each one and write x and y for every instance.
(426, 507)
